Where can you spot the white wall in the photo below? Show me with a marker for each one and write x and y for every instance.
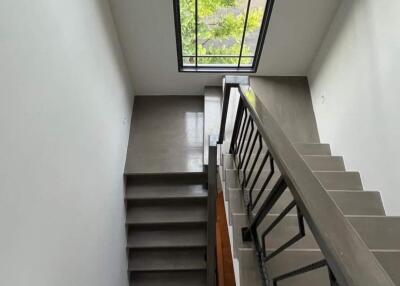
(65, 107)
(355, 89)
(147, 33)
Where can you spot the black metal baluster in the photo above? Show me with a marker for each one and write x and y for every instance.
(250, 204)
(237, 125)
(265, 208)
(274, 224)
(242, 128)
(332, 277)
(248, 160)
(264, 186)
(248, 143)
(255, 159)
(308, 268)
(244, 139)
(291, 241)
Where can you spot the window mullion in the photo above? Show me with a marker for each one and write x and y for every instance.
(244, 31)
(197, 23)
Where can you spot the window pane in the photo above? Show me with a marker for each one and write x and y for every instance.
(218, 61)
(220, 28)
(188, 27)
(219, 25)
(189, 61)
(246, 61)
(256, 13)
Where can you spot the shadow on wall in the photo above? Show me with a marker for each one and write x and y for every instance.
(354, 87)
(114, 44)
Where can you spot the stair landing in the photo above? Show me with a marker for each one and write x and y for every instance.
(166, 135)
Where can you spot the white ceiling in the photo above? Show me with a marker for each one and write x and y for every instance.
(147, 33)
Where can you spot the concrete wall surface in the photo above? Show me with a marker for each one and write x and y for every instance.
(355, 89)
(65, 107)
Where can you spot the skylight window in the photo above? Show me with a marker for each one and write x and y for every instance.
(220, 35)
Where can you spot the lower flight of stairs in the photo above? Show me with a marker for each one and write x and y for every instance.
(364, 210)
(166, 217)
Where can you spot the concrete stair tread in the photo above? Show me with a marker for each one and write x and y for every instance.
(330, 180)
(166, 179)
(313, 148)
(340, 180)
(315, 162)
(304, 148)
(249, 268)
(173, 237)
(167, 260)
(350, 202)
(290, 260)
(190, 212)
(176, 278)
(325, 163)
(148, 192)
(378, 232)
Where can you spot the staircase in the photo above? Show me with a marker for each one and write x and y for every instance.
(166, 222)
(167, 193)
(296, 216)
(275, 239)
(364, 210)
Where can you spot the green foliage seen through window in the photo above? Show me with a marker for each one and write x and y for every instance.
(220, 30)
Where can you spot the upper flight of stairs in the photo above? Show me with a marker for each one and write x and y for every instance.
(364, 210)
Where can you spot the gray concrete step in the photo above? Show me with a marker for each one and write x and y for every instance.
(290, 260)
(231, 181)
(325, 163)
(350, 202)
(160, 192)
(313, 149)
(228, 161)
(340, 180)
(315, 162)
(378, 232)
(329, 180)
(167, 237)
(166, 179)
(171, 213)
(145, 260)
(303, 148)
(176, 278)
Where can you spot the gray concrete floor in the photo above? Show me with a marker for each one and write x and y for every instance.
(166, 135)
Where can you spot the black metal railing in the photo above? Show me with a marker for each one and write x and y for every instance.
(211, 210)
(268, 165)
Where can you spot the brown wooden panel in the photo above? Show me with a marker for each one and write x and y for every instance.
(225, 274)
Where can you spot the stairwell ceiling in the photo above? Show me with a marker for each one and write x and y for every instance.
(147, 34)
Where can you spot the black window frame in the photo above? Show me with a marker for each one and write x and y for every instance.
(221, 68)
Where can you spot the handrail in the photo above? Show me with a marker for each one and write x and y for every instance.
(211, 210)
(347, 256)
(229, 82)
